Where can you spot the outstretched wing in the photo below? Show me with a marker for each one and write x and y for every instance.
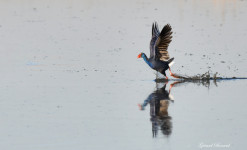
(162, 43)
(155, 35)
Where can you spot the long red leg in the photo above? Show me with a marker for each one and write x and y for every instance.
(166, 78)
(171, 74)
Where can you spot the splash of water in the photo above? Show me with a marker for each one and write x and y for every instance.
(205, 76)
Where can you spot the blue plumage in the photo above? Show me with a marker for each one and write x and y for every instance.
(159, 58)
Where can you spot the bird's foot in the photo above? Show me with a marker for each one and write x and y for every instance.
(171, 74)
(170, 71)
(174, 76)
(166, 78)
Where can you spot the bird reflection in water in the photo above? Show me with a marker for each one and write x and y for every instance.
(159, 101)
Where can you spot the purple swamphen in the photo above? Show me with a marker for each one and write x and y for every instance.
(159, 59)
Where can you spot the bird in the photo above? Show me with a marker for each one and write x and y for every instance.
(159, 59)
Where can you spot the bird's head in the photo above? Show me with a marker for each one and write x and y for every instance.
(140, 55)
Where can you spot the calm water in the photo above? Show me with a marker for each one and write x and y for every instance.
(70, 77)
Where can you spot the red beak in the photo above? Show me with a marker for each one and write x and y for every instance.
(139, 56)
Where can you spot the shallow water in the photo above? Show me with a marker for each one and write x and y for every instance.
(70, 77)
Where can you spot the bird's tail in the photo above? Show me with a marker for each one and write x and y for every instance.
(171, 62)
(171, 97)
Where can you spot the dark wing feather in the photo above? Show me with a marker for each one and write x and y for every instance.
(155, 35)
(162, 43)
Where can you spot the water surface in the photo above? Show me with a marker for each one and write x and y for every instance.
(70, 78)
